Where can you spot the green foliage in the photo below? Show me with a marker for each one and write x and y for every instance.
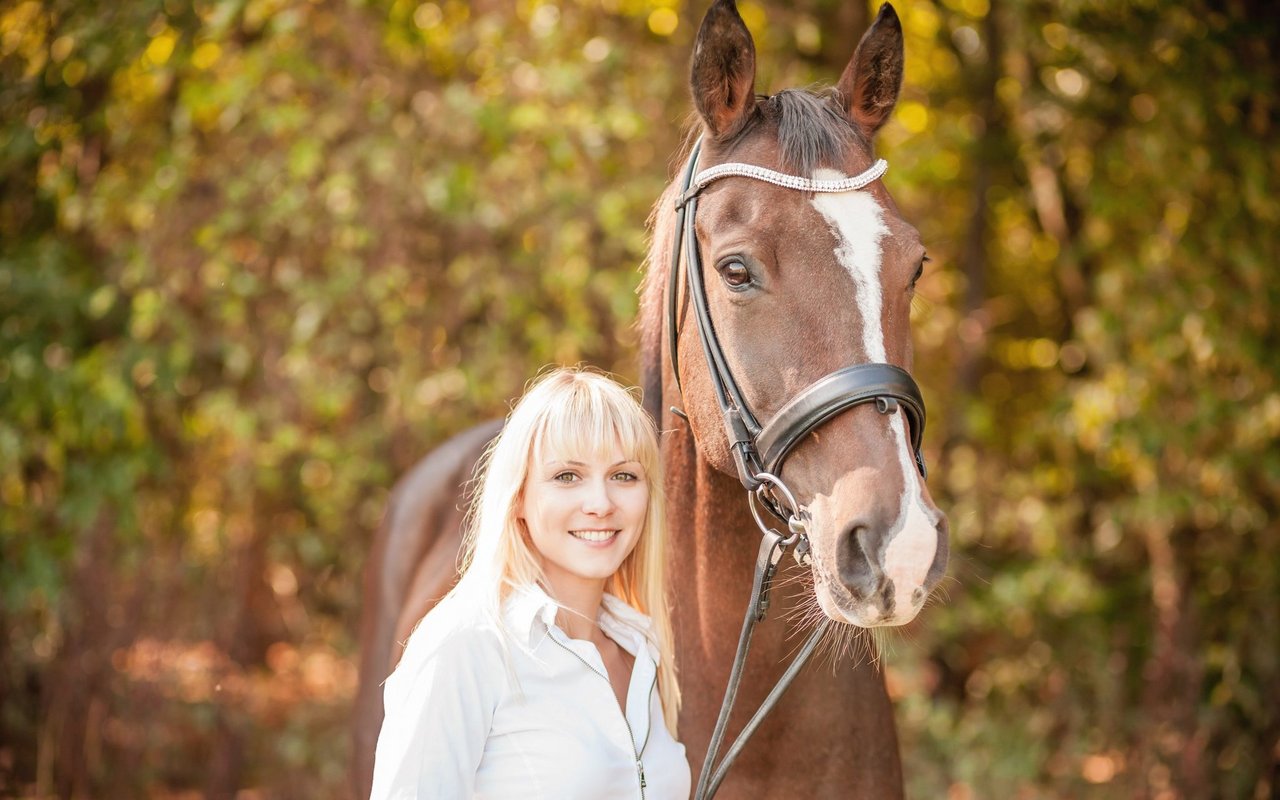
(1111, 473)
(257, 256)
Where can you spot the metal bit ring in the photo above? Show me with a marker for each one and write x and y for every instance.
(772, 483)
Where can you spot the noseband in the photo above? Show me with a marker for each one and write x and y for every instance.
(760, 450)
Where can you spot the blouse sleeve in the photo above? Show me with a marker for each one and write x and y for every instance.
(439, 706)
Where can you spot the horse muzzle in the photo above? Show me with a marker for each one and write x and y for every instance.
(877, 567)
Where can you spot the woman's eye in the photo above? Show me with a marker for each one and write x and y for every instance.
(736, 274)
(625, 476)
(565, 477)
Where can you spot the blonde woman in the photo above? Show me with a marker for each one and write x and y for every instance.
(546, 672)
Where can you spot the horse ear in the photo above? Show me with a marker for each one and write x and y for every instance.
(723, 75)
(871, 82)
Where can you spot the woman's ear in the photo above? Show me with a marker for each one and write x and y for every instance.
(525, 536)
(517, 513)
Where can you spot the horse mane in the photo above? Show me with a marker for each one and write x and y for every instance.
(812, 132)
(649, 318)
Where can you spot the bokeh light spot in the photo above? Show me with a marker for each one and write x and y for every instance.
(663, 21)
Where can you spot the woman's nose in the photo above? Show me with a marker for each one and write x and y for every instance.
(597, 500)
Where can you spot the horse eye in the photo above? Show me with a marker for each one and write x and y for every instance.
(735, 274)
(919, 270)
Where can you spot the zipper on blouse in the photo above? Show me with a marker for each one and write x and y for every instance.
(631, 738)
(649, 702)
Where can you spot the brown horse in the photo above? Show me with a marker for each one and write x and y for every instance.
(799, 285)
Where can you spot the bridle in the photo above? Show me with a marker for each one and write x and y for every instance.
(759, 451)
(760, 448)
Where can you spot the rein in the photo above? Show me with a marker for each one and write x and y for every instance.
(759, 451)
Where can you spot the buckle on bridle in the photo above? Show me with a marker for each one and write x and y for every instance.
(685, 197)
(747, 462)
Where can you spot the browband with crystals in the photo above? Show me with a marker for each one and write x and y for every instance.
(705, 177)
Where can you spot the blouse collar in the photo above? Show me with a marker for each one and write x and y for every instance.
(529, 614)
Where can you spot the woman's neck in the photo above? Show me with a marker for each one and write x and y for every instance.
(580, 607)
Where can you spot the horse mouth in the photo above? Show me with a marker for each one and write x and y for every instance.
(876, 611)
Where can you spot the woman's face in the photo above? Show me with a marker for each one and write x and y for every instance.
(584, 515)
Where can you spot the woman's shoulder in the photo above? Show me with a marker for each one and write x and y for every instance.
(454, 632)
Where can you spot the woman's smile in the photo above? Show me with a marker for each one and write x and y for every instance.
(596, 536)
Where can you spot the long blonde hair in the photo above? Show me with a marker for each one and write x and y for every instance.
(569, 411)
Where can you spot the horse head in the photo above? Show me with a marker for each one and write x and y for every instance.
(800, 284)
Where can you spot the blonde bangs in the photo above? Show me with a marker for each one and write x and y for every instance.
(595, 419)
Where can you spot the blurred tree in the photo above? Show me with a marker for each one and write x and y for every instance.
(1116, 592)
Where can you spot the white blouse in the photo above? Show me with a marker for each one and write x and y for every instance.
(468, 718)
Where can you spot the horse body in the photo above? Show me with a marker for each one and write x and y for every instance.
(798, 286)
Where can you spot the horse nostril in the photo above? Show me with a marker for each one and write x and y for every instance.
(940, 557)
(860, 575)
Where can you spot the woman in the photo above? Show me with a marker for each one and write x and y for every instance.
(546, 672)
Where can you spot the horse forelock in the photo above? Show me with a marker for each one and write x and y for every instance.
(813, 131)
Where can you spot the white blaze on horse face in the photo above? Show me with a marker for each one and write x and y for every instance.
(858, 223)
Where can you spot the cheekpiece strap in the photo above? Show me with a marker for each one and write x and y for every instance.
(707, 176)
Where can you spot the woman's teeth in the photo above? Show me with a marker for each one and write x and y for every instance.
(593, 536)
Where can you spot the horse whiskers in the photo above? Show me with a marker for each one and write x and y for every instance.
(844, 645)
(885, 639)
(942, 592)
(803, 598)
(851, 646)
(803, 620)
(837, 645)
(791, 580)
